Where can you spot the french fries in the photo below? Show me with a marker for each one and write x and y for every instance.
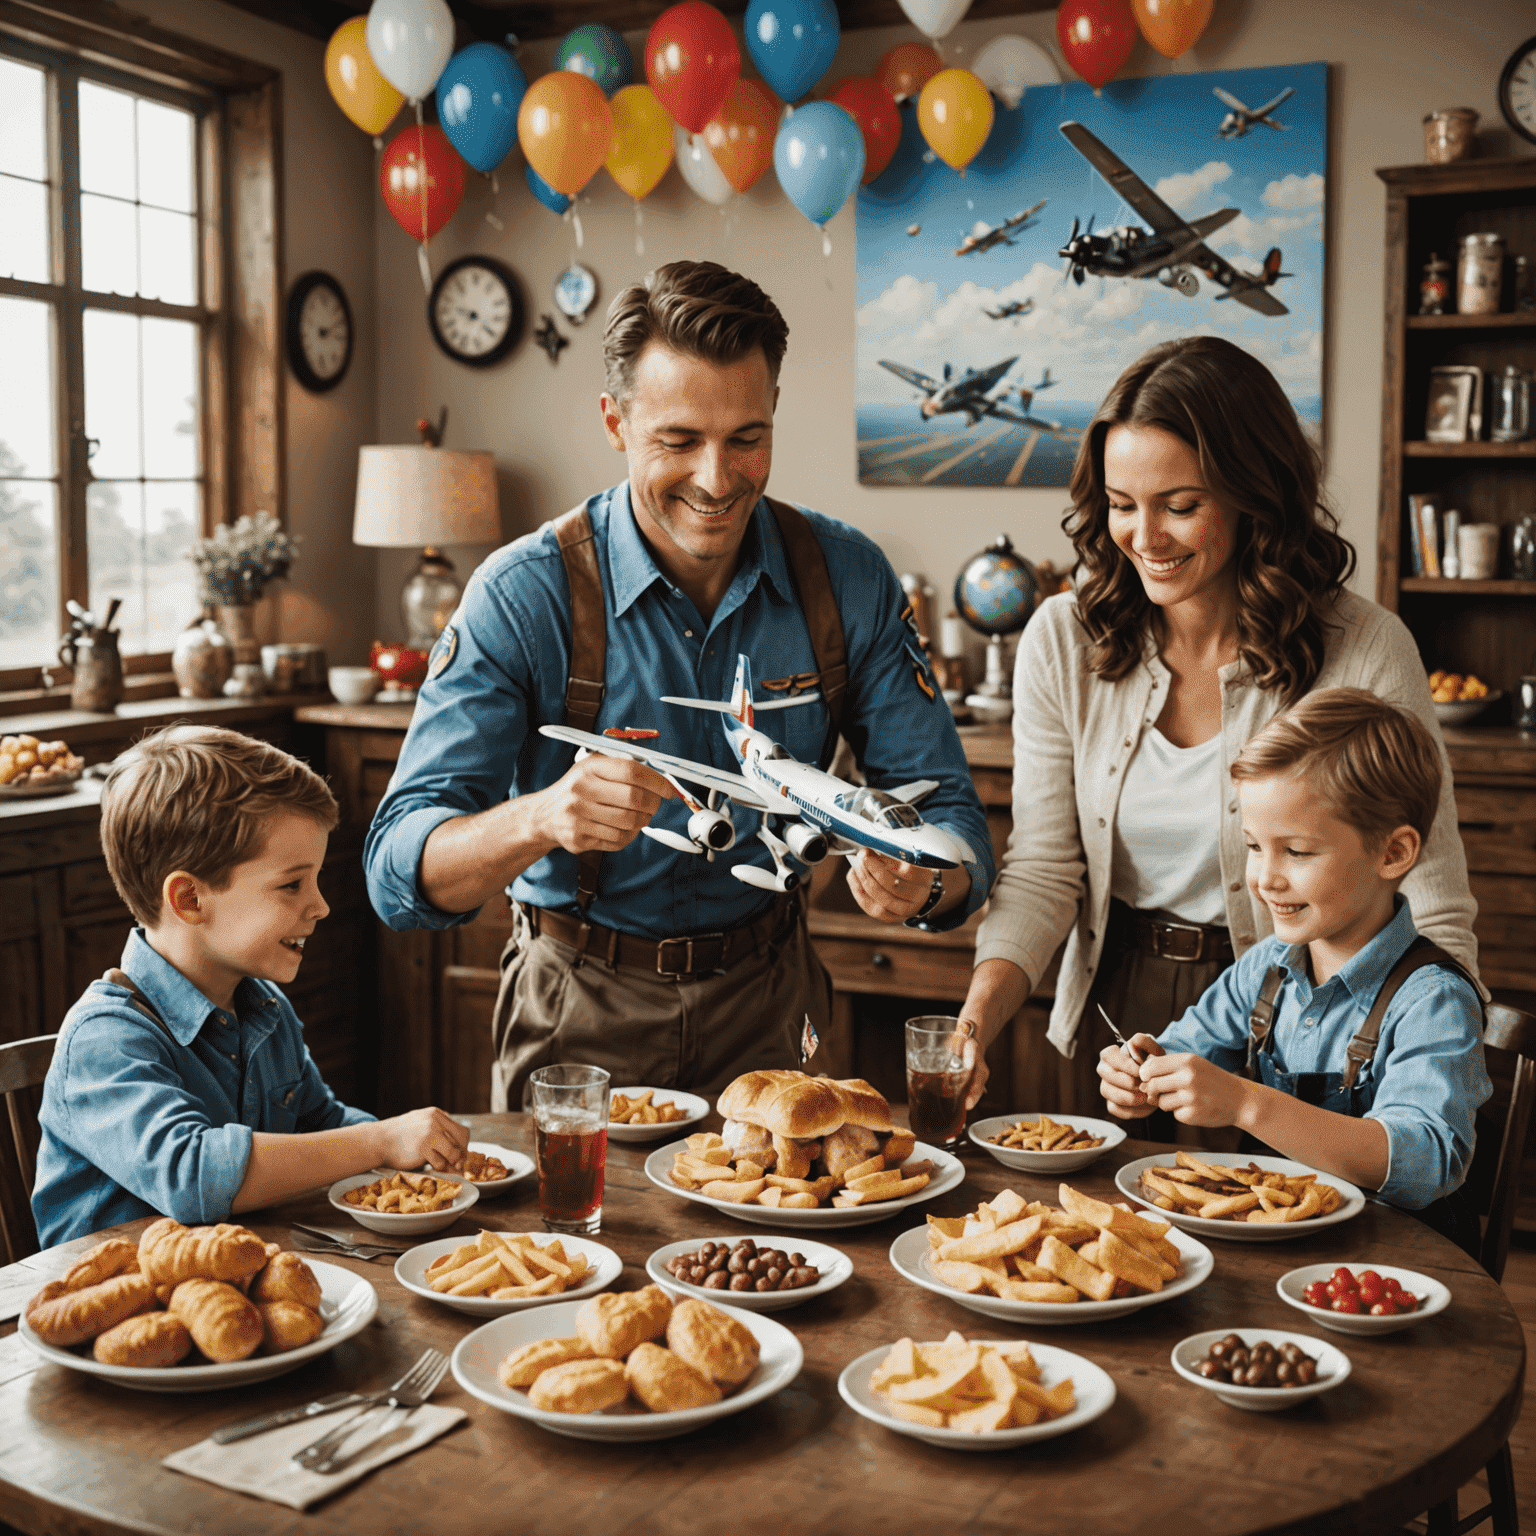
(480, 1169)
(1209, 1190)
(405, 1194)
(506, 1266)
(705, 1164)
(961, 1385)
(641, 1110)
(1044, 1135)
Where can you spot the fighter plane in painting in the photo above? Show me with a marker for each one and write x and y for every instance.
(1009, 310)
(1240, 119)
(1173, 250)
(998, 234)
(970, 392)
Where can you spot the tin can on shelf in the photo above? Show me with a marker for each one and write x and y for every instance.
(1480, 273)
(1435, 285)
(1448, 134)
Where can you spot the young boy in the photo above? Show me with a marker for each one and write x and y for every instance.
(1338, 794)
(181, 1084)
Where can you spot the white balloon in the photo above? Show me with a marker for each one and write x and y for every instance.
(698, 167)
(1008, 64)
(936, 18)
(411, 41)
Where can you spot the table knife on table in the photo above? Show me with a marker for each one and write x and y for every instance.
(242, 1429)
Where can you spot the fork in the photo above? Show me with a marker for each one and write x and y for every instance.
(409, 1393)
(346, 1250)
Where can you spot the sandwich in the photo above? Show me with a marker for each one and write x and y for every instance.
(791, 1122)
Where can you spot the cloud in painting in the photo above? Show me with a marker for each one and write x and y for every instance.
(1255, 235)
(1183, 190)
(903, 302)
(1295, 192)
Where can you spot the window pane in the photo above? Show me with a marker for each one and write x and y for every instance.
(26, 389)
(112, 392)
(106, 141)
(165, 156)
(114, 531)
(107, 241)
(166, 256)
(172, 516)
(139, 537)
(170, 399)
(23, 229)
(29, 575)
(22, 150)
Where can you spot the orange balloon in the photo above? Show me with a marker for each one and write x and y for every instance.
(905, 69)
(360, 90)
(1172, 26)
(566, 129)
(955, 113)
(642, 140)
(740, 135)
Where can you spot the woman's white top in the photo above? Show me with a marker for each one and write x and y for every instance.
(1165, 858)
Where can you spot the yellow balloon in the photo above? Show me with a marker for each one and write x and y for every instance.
(642, 140)
(955, 115)
(360, 90)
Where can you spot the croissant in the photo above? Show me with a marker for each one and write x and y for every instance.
(286, 1278)
(170, 1253)
(63, 1317)
(287, 1325)
(116, 1256)
(153, 1339)
(223, 1324)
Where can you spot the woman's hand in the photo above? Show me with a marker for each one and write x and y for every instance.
(1195, 1091)
(1120, 1081)
(975, 1060)
(430, 1136)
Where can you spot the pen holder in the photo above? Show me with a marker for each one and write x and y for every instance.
(98, 670)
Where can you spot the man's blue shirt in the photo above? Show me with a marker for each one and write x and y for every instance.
(1424, 1082)
(504, 660)
(143, 1120)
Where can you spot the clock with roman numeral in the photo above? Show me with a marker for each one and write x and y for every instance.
(1517, 90)
(476, 311)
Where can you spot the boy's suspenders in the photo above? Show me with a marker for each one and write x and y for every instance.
(1362, 1048)
(585, 683)
(136, 999)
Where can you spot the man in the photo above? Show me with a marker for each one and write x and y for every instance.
(656, 964)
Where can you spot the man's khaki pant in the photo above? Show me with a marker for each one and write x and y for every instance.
(642, 1028)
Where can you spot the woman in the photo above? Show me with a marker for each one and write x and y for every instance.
(1211, 595)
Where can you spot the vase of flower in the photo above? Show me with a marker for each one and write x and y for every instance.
(201, 660)
(234, 566)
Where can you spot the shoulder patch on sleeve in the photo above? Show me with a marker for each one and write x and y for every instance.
(443, 652)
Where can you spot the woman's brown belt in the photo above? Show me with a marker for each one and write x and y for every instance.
(1166, 936)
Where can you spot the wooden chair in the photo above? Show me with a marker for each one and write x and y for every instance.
(23, 1066)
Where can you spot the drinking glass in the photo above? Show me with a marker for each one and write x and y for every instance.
(570, 1125)
(937, 1078)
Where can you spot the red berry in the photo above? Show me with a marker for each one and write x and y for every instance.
(1383, 1309)
(1368, 1277)
(1371, 1291)
(1343, 1278)
(1405, 1301)
(1349, 1302)
(1316, 1294)
(1389, 1284)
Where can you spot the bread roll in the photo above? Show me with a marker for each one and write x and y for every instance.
(664, 1383)
(613, 1323)
(286, 1277)
(223, 1324)
(116, 1256)
(170, 1253)
(528, 1362)
(580, 1386)
(63, 1318)
(288, 1325)
(712, 1343)
(152, 1340)
(801, 1108)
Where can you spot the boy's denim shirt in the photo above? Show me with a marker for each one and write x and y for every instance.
(144, 1119)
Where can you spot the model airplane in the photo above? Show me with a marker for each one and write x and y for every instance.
(1027, 394)
(999, 234)
(1173, 250)
(1240, 119)
(1013, 307)
(968, 393)
(808, 814)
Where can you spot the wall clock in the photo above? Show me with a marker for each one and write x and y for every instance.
(318, 332)
(476, 311)
(1517, 90)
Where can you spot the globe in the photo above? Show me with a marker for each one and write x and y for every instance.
(998, 590)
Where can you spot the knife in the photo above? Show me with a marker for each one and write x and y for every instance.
(243, 1428)
(1125, 1045)
(371, 1241)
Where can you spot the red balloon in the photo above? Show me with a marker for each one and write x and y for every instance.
(1097, 37)
(692, 61)
(873, 108)
(421, 173)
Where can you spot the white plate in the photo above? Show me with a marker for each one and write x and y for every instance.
(411, 1271)
(1433, 1297)
(519, 1166)
(690, 1103)
(1047, 1162)
(834, 1264)
(412, 1225)
(477, 1357)
(1243, 1231)
(1332, 1368)
(347, 1305)
(1093, 1386)
(948, 1173)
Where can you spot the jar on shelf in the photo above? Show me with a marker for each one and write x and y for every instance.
(1525, 287)
(1480, 273)
(1435, 285)
(1511, 405)
(1522, 549)
(1448, 134)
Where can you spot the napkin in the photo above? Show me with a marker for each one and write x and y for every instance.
(261, 1465)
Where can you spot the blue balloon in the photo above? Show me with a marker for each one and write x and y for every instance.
(819, 157)
(478, 95)
(911, 165)
(556, 202)
(792, 42)
(599, 53)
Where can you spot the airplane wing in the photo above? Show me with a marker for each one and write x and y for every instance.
(994, 408)
(725, 707)
(731, 785)
(1124, 180)
(911, 793)
(1261, 299)
(1284, 95)
(1227, 99)
(1239, 285)
(911, 375)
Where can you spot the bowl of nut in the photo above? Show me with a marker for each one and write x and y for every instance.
(403, 1204)
(1376, 1299)
(1260, 1369)
(1459, 699)
(648, 1114)
(760, 1273)
(30, 768)
(1045, 1144)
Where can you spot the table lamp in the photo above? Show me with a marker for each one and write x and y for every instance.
(413, 496)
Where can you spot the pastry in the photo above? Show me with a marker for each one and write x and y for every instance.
(286, 1277)
(63, 1317)
(524, 1366)
(713, 1343)
(170, 1252)
(154, 1339)
(612, 1324)
(801, 1108)
(288, 1325)
(664, 1383)
(580, 1386)
(116, 1256)
(223, 1324)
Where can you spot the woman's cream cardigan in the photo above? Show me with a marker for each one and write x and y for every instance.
(1074, 734)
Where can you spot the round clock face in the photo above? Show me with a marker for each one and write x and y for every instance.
(476, 311)
(1517, 90)
(319, 331)
(575, 290)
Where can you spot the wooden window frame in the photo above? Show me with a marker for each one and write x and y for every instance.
(238, 104)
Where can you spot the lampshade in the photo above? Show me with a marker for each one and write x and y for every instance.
(410, 496)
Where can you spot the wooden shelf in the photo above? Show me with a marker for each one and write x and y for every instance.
(1524, 319)
(1418, 449)
(1494, 588)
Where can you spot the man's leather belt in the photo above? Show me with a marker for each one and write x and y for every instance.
(1169, 938)
(685, 959)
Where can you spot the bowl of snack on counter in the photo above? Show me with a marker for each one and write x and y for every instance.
(1363, 1299)
(501, 1272)
(1260, 1369)
(493, 1170)
(760, 1273)
(403, 1204)
(31, 768)
(648, 1114)
(1045, 1143)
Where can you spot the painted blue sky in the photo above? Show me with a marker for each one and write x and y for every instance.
(920, 304)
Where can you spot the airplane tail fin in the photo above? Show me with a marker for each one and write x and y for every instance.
(741, 694)
(1272, 265)
(741, 704)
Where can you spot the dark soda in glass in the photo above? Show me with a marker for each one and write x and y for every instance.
(936, 1105)
(571, 1158)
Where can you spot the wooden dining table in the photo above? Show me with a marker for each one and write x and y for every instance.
(1421, 1412)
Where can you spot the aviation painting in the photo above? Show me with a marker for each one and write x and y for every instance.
(1088, 229)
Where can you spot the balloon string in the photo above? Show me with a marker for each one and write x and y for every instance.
(639, 223)
(576, 225)
(423, 260)
(826, 241)
(490, 217)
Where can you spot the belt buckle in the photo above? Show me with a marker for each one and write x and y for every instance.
(1177, 941)
(688, 969)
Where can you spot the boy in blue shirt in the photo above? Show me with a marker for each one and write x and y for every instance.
(1338, 794)
(181, 1085)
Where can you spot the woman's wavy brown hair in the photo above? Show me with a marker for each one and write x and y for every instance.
(1255, 460)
